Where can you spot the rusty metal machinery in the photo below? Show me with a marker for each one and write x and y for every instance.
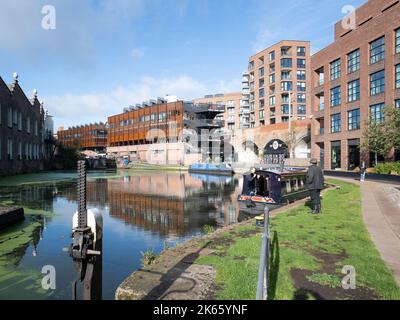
(85, 249)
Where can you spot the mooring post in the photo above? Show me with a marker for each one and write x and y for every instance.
(262, 287)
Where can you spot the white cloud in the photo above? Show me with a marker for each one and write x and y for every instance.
(137, 54)
(71, 109)
(79, 26)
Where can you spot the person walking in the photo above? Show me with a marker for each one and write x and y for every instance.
(315, 183)
(363, 171)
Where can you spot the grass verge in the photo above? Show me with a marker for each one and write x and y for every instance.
(308, 254)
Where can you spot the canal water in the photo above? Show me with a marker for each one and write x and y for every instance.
(141, 211)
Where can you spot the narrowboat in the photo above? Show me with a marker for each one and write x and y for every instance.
(213, 169)
(271, 188)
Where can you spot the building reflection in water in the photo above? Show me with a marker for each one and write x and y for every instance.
(167, 203)
(173, 203)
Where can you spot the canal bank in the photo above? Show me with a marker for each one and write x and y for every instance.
(140, 209)
(308, 254)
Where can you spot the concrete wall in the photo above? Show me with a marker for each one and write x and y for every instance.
(166, 153)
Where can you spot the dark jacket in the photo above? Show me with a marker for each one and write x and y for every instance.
(363, 169)
(315, 178)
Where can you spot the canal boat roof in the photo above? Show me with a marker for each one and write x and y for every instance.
(278, 172)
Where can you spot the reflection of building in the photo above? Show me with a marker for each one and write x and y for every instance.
(22, 144)
(171, 203)
(89, 137)
(164, 132)
(354, 78)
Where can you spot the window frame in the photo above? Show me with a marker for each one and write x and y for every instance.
(353, 93)
(354, 120)
(377, 85)
(336, 123)
(335, 69)
(353, 62)
(376, 55)
(336, 102)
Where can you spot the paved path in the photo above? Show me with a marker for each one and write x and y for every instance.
(381, 213)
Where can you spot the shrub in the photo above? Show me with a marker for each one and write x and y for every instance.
(148, 257)
(207, 229)
(388, 168)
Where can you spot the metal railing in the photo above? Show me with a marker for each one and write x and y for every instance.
(262, 287)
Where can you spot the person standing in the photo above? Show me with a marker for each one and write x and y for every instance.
(315, 183)
(363, 171)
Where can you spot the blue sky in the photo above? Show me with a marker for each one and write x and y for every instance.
(104, 55)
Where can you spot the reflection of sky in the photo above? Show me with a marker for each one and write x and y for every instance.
(123, 242)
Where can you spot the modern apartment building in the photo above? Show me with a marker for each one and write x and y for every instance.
(277, 80)
(232, 103)
(159, 131)
(22, 136)
(353, 79)
(89, 137)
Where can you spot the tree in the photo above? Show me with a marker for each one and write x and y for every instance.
(392, 128)
(383, 137)
(373, 138)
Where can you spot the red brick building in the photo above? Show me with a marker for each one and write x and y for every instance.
(276, 74)
(353, 79)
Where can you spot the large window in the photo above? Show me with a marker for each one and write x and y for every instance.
(301, 63)
(336, 155)
(353, 90)
(285, 109)
(376, 112)
(271, 56)
(336, 96)
(301, 98)
(261, 93)
(397, 41)
(261, 72)
(301, 109)
(353, 61)
(336, 123)
(353, 118)
(301, 75)
(301, 51)
(272, 101)
(377, 83)
(335, 69)
(301, 86)
(272, 78)
(286, 86)
(286, 63)
(397, 76)
(377, 50)
(285, 75)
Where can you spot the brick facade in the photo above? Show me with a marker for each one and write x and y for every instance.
(360, 60)
(22, 142)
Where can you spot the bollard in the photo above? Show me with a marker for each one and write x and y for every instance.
(262, 287)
